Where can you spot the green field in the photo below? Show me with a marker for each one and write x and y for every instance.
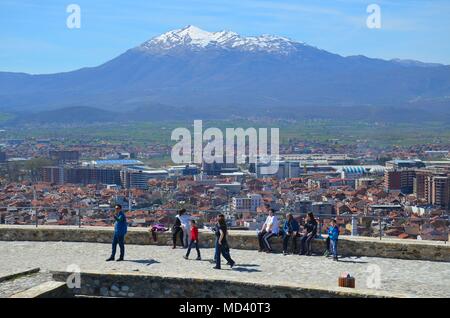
(370, 134)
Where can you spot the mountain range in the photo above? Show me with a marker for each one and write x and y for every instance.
(189, 72)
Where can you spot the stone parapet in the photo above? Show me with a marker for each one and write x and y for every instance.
(247, 240)
(115, 284)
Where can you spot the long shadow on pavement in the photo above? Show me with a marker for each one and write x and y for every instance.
(243, 269)
(351, 260)
(147, 262)
(248, 265)
(240, 267)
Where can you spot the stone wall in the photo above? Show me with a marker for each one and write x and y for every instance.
(143, 286)
(348, 246)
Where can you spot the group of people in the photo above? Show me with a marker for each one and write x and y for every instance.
(291, 232)
(186, 229)
(181, 229)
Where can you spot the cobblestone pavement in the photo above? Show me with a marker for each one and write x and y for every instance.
(17, 285)
(415, 278)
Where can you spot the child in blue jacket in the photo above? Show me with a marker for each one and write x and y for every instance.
(333, 234)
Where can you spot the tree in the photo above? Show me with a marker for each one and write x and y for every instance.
(34, 165)
(15, 171)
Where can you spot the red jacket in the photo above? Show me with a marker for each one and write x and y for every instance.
(194, 233)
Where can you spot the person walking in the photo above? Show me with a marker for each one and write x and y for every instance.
(193, 241)
(186, 227)
(221, 244)
(176, 228)
(311, 231)
(290, 230)
(120, 230)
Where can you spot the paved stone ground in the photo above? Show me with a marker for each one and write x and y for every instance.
(17, 285)
(414, 278)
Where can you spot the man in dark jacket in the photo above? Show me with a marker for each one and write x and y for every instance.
(120, 230)
(177, 228)
(311, 231)
(290, 230)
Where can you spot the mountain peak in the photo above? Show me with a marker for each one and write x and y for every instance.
(193, 37)
(192, 32)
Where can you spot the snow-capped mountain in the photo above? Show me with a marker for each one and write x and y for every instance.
(192, 37)
(192, 72)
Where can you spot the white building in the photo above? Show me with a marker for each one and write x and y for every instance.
(138, 177)
(249, 203)
(233, 187)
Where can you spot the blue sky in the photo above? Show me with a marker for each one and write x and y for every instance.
(34, 37)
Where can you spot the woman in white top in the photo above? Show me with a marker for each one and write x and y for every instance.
(269, 229)
(186, 226)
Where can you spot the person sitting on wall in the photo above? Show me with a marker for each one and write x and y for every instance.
(157, 228)
(290, 230)
(268, 230)
(311, 231)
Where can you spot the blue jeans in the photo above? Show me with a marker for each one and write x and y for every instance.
(333, 245)
(192, 243)
(224, 250)
(121, 240)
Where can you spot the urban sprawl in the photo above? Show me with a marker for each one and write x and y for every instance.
(401, 193)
